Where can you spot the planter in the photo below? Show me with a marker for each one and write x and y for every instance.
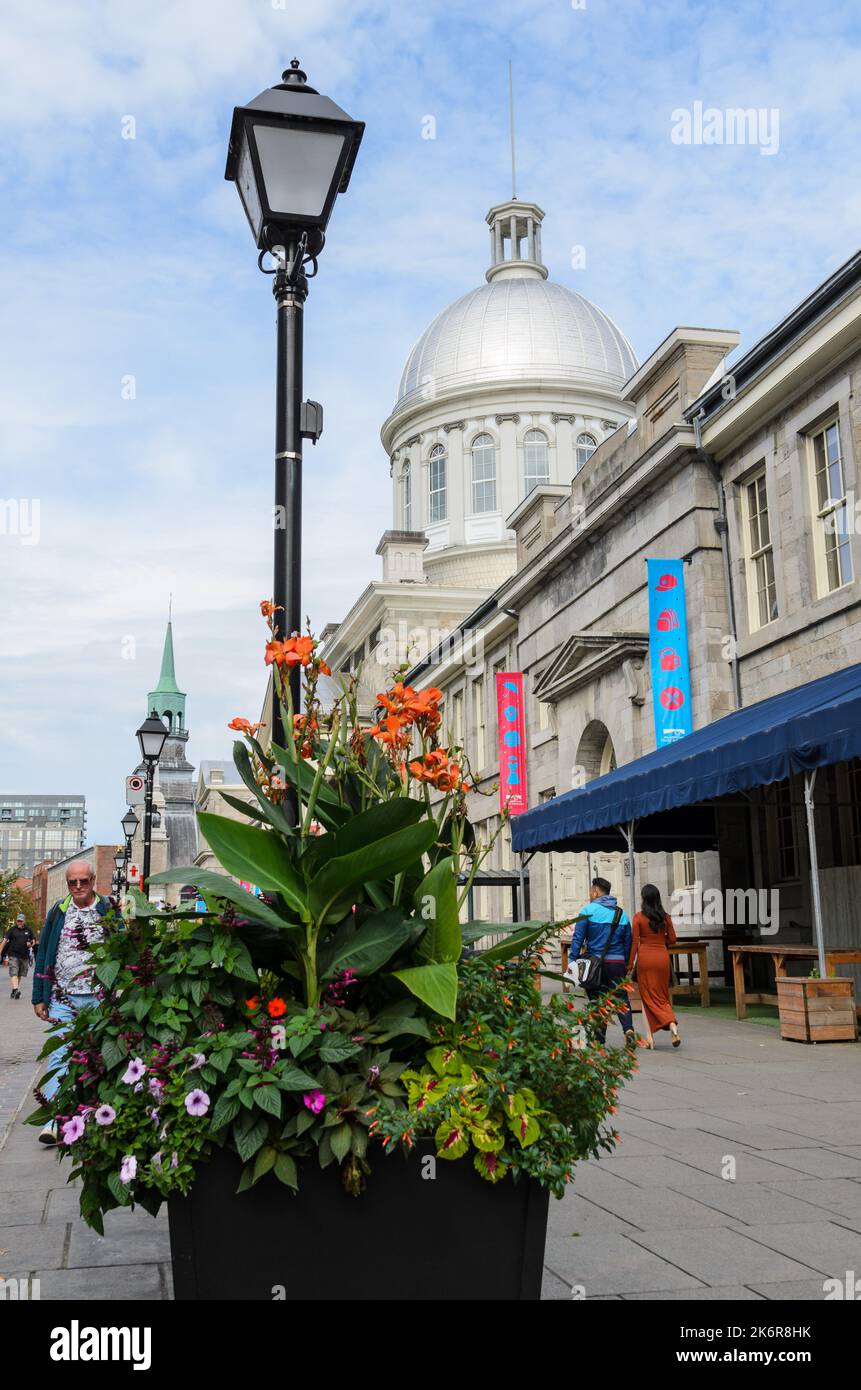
(451, 1237)
(817, 1010)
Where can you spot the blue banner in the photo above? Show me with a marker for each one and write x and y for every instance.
(668, 651)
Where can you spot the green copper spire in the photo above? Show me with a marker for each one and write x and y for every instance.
(167, 699)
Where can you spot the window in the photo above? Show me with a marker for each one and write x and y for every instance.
(787, 858)
(608, 758)
(586, 446)
(456, 727)
(689, 868)
(831, 520)
(536, 463)
(407, 497)
(438, 506)
(478, 722)
(761, 593)
(483, 474)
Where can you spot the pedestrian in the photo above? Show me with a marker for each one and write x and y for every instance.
(652, 934)
(603, 929)
(63, 978)
(16, 948)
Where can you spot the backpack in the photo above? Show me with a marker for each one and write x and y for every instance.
(588, 971)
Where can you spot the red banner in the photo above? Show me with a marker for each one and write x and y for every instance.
(511, 722)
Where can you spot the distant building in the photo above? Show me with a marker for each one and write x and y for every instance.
(213, 780)
(49, 880)
(38, 828)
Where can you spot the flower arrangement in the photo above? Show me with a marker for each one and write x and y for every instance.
(334, 1014)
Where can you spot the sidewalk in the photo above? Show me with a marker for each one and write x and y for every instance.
(654, 1221)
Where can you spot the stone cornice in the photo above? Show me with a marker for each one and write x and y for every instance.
(584, 656)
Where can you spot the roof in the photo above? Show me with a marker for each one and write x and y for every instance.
(225, 765)
(796, 731)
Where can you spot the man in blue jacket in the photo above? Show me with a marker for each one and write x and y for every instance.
(62, 976)
(603, 925)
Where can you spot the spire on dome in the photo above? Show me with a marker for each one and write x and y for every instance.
(515, 241)
(167, 699)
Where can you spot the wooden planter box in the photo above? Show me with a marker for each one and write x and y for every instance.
(817, 1010)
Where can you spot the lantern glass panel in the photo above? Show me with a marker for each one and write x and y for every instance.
(299, 168)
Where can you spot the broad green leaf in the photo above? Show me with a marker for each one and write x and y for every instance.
(269, 1099)
(436, 903)
(268, 810)
(248, 1137)
(340, 1139)
(368, 947)
(285, 1171)
(226, 1109)
(107, 972)
(292, 1078)
(218, 885)
(435, 985)
(336, 1048)
(346, 874)
(490, 1166)
(365, 829)
(264, 1161)
(452, 1138)
(259, 856)
(119, 1189)
(526, 935)
(525, 1128)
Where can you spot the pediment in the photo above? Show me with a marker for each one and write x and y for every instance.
(584, 656)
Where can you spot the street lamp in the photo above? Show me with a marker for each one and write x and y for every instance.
(151, 737)
(129, 824)
(291, 152)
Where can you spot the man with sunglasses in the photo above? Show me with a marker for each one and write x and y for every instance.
(63, 977)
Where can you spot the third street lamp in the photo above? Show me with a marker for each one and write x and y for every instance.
(151, 736)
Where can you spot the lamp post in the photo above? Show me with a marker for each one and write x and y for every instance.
(291, 152)
(119, 865)
(129, 824)
(151, 736)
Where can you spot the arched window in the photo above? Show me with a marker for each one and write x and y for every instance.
(167, 718)
(608, 758)
(437, 499)
(483, 474)
(586, 446)
(406, 497)
(536, 463)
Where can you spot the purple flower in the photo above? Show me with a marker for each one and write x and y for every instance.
(73, 1129)
(105, 1115)
(197, 1061)
(156, 1160)
(174, 1161)
(314, 1100)
(197, 1103)
(134, 1071)
(128, 1168)
(156, 1087)
(153, 1114)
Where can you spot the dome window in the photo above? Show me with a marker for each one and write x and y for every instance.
(586, 446)
(437, 498)
(406, 497)
(483, 474)
(536, 461)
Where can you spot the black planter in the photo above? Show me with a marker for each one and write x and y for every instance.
(453, 1236)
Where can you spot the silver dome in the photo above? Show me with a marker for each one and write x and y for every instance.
(517, 329)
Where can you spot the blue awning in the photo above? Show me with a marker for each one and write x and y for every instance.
(663, 792)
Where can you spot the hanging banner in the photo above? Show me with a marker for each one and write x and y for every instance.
(668, 651)
(511, 722)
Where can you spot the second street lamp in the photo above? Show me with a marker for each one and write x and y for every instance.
(129, 824)
(291, 153)
(152, 736)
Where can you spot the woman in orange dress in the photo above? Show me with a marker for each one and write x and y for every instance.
(652, 932)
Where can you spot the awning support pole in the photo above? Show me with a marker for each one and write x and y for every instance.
(809, 783)
(628, 833)
(522, 907)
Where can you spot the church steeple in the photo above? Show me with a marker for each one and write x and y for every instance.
(167, 699)
(515, 241)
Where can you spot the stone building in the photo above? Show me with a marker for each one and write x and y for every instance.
(215, 777)
(511, 387)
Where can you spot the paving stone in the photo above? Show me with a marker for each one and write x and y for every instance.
(820, 1163)
(838, 1195)
(33, 1247)
(751, 1202)
(643, 1207)
(651, 1172)
(132, 1244)
(708, 1158)
(574, 1213)
(22, 1209)
(802, 1291)
(820, 1245)
(733, 1293)
(709, 1259)
(554, 1289)
(612, 1264)
(118, 1283)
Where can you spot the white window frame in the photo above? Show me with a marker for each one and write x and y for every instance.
(762, 604)
(584, 450)
(832, 559)
(483, 487)
(437, 490)
(534, 476)
(407, 497)
(479, 727)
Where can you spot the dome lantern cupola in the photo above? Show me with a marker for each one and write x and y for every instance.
(515, 241)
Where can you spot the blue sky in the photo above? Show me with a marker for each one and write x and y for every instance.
(132, 258)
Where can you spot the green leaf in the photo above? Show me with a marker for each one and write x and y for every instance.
(304, 1120)
(107, 972)
(527, 933)
(365, 829)
(434, 985)
(264, 1161)
(367, 947)
(489, 1166)
(294, 1079)
(218, 885)
(259, 856)
(226, 1109)
(248, 1135)
(268, 810)
(336, 1048)
(525, 1128)
(452, 1139)
(436, 902)
(269, 1099)
(285, 1171)
(342, 876)
(119, 1189)
(341, 1139)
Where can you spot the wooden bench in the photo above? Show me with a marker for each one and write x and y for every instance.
(779, 956)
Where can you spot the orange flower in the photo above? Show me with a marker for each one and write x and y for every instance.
(253, 1004)
(276, 1008)
(296, 651)
(437, 768)
(304, 728)
(268, 608)
(324, 668)
(244, 726)
(393, 731)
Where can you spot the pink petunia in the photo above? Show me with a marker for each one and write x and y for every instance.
(314, 1100)
(134, 1071)
(128, 1168)
(105, 1115)
(73, 1129)
(197, 1103)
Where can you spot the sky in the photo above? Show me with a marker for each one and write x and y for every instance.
(137, 341)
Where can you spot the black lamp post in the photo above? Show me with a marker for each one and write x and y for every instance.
(129, 824)
(119, 865)
(291, 153)
(152, 736)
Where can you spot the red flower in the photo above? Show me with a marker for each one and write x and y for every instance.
(253, 1004)
(276, 1008)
